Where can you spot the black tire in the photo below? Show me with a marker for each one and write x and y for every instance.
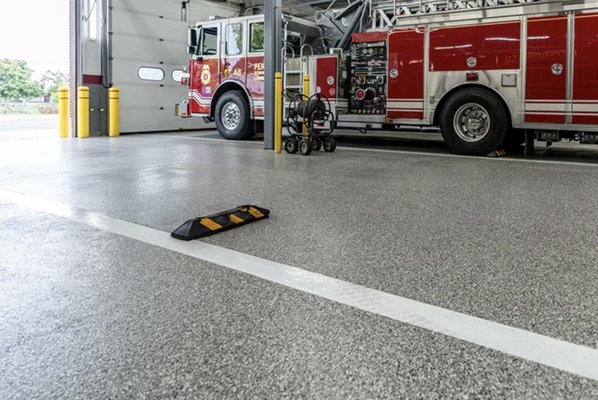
(317, 143)
(305, 147)
(291, 146)
(480, 118)
(230, 108)
(329, 145)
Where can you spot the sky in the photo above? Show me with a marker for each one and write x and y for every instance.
(36, 31)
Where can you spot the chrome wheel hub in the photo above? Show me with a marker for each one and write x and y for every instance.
(471, 122)
(231, 116)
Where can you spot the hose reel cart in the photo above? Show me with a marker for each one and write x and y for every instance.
(310, 122)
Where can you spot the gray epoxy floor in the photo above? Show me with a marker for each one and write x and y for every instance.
(89, 314)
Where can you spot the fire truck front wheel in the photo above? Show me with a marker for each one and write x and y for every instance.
(473, 121)
(232, 116)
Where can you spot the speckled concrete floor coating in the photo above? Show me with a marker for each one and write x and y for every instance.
(123, 319)
(445, 241)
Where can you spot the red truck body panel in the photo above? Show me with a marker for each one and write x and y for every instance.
(406, 74)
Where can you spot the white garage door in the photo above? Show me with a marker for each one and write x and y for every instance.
(149, 47)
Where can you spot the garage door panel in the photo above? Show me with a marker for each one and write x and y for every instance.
(136, 48)
(143, 26)
(128, 74)
(196, 10)
(154, 97)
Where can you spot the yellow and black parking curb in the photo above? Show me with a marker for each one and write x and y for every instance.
(498, 153)
(205, 226)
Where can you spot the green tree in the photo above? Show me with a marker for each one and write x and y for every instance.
(52, 81)
(16, 82)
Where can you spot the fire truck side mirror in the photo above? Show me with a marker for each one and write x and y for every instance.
(192, 37)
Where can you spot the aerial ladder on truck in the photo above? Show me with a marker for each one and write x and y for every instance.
(356, 16)
(386, 13)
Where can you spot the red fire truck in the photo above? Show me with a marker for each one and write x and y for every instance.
(483, 76)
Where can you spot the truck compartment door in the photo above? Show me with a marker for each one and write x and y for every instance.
(326, 77)
(406, 74)
(585, 77)
(546, 73)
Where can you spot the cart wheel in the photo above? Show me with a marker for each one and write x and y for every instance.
(291, 146)
(329, 145)
(305, 147)
(317, 143)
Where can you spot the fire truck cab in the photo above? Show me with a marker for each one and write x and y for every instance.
(226, 70)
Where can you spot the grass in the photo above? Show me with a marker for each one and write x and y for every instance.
(15, 116)
(32, 109)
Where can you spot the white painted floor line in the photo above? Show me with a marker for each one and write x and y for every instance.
(541, 349)
(407, 152)
(497, 159)
(207, 139)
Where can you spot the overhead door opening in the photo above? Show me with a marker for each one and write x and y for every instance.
(139, 47)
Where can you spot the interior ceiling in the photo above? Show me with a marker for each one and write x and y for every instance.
(300, 8)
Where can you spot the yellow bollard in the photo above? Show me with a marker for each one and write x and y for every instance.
(83, 112)
(305, 93)
(278, 111)
(113, 112)
(306, 85)
(63, 112)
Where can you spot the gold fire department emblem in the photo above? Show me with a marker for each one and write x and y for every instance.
(206, 76)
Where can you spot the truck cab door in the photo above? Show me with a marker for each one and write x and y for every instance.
(234, 62)
(255, 64)
(205, 69)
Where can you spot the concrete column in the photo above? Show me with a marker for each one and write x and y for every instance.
(272, 59)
